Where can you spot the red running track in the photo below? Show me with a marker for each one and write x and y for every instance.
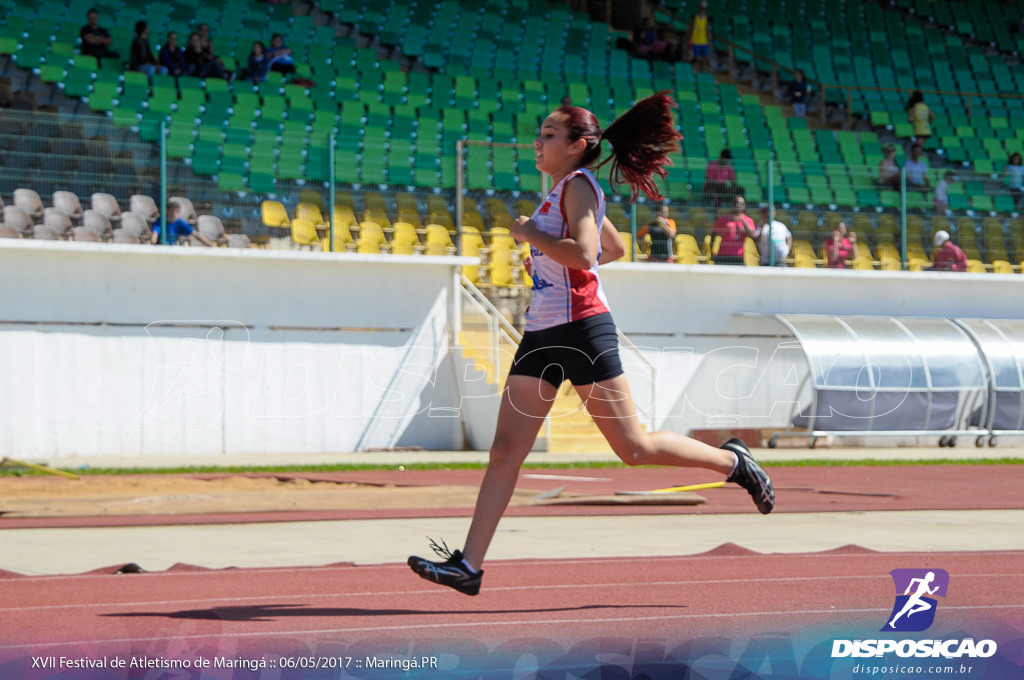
(533, 614)
(729, 592)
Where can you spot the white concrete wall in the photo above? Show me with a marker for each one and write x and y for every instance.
(125, 350)
(722, 359)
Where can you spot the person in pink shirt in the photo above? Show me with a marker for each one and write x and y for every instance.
(841, 248)
(733, 229)
(947, 256)
(720, 178)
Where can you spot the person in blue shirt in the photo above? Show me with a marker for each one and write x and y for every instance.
(172, 57)
(259, 64)
(280, 56)
(798, 93)
(177, 228)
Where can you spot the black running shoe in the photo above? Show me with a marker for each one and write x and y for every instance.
(751, 476)
(451, 572)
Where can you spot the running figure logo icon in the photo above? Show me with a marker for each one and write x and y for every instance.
(915, 605)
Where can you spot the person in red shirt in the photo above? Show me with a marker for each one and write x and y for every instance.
(947, 256)
(733, 229)
(841, 248)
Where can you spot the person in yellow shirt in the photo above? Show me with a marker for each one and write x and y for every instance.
(700, 38)
(920, 116)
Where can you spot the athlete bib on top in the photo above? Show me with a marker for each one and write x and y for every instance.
(562, 294)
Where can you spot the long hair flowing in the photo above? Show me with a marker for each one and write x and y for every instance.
(642, 140)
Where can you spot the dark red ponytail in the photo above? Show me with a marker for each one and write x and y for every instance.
(641, 140)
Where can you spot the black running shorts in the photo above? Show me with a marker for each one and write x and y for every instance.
(582, 352)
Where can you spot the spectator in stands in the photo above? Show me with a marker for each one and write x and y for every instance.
(197, 63)
(774, 240)
(699, 33)
(941, 198)
(259, 65)
(720, 178)
(1013, 176)
(177, 228)
(142, 58)
(842, 248)
(889, 169)
(662, 234)
(917, 170)
(96, 40)
(206, 44)
(797, 91)
(280, 56)
(920, 116)
(646, 43)
(947, 256)
(172, 57)
(732, 230)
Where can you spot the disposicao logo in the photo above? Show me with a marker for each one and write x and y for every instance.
(916, 590)
(914, 611)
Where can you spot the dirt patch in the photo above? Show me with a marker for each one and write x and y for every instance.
(182, 494)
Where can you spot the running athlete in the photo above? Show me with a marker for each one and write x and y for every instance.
(569, 332)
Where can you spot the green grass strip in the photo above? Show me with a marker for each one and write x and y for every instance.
(583, 465)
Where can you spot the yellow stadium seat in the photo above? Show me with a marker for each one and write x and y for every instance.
(439, 241)
(803, 261)
(371, 238)
(311, 212)
(686, 249)
(1002, 267)
(344, 216)
(502, 269)
(751, 257)
(274, 215)
(405, 240)
(303, 232)
(472, 244)
(343, 241)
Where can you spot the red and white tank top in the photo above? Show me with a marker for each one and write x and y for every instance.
(562, 294)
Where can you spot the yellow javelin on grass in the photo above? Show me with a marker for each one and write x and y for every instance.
(673, 489)
(691, 487)
(34, 466)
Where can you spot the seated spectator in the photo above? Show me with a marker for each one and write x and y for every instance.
(142, 58)
(197, 63)
(646, 43)
(917, 170)
(941, 198)
(947, 256)
(797, 91)
(206, 43)
(259, 65)
(774, 240)
(889, 169)
(661, 233)
(732, 230)
(95, 39)
(177, 228)
(280, 56)
(1013, 175)
(172, 57)
(841, 248)
(720, 178)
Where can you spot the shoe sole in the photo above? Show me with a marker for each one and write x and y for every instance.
(417, 566)
(743, 452)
